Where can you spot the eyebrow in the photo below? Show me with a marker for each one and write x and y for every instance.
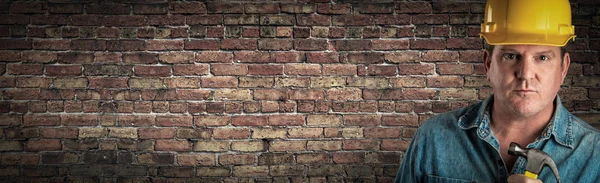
(547, 52)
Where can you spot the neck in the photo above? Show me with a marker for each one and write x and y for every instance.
(523, 129)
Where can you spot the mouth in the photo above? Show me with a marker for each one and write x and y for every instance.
(524, 91)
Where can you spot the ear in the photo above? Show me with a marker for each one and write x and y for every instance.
(487, 61)
(565, 65)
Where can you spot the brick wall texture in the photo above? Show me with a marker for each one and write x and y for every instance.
(243, 91)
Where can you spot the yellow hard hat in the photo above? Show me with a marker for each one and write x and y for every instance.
(537, 22)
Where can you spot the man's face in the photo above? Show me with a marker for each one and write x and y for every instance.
(525, 78)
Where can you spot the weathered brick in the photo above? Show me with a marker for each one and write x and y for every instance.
(249, 146)
(196, 159)
(211, 146)
(122, 132)
(42, 145)
(10, 145)
(231, 133)
(323, 120)
(237, 159)
(290, 146)
(313, 158)
(173, 145)
(156, 158)
(261, 69)
(58, 133)
(269, 133)
(231, 94)
(213, 171)
(250, 170)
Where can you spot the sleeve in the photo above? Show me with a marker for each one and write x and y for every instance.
(409, 167)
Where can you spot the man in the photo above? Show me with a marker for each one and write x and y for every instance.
(525, 65)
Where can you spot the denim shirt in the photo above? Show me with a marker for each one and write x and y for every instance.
(459, 146)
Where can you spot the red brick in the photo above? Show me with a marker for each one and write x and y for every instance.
(261, 69)
(269, 94)
(6, 82)
(88, 44)
(229, 69)
(352, 20)
(125, 45)
(304, 94)
(14, 19)
(311, 44)
(418, 94)
(79, 120)
(428, 44)
(430, 19)
(231, 133)
(150, 9)
(196, 159)
(293, 146)
(39, 57)
(378, 70)
(202, 44)
(383, 133)
(445, 81)
(204, 19)
(111, 32)
(415, 69)
(28, 7)
(464, 43)
(237, 159)
(450, 7)
(207, 56)
(286, 120)
(275, 44)
(366, 144)
(156, 133)
(174, 121)
(323, 57)
(344, 94)
(42, 44)
(348, 157)
(401, 44)
(313, 20)
(190, 69)
(262, 8)
(252, 56)
(137, 120)
(42, 145)
(162, 20)
(157, 71)
(401, 19)
(334, 8)
(187, 7)
(22, 94)
(63, 70)
(353, 45)
(303, 69)
(440, 56)
(249, 120)
(140, 58)
(394, 145)
(25, 69)
(11, 120)
(239, 44)
(10, 56)
(108, 8)
(100, 82)
(313, 158)
(187, 94)
(164, 45)
(75, 58)
(59, 133)
(400, 120)
(177, 57)
(173, 145)
(220, 82)
(362, 120)
(365, 58)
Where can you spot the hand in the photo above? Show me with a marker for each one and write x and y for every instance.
(520, 178)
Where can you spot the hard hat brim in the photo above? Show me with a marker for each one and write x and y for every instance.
(527, 39)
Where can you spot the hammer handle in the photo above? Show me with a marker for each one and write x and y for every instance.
(531, 174)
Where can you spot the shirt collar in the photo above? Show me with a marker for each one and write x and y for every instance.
(559, 127)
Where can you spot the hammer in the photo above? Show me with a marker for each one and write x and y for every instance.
(536, 159)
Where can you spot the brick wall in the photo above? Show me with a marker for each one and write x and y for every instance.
(218, 91)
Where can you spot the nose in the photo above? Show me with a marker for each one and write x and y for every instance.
(526, 69)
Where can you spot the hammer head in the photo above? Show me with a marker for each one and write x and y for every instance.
(536, 159)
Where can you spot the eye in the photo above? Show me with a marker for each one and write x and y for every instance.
(509, 56)
(544, 57)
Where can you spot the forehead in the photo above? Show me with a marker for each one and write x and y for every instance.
(531, 49)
